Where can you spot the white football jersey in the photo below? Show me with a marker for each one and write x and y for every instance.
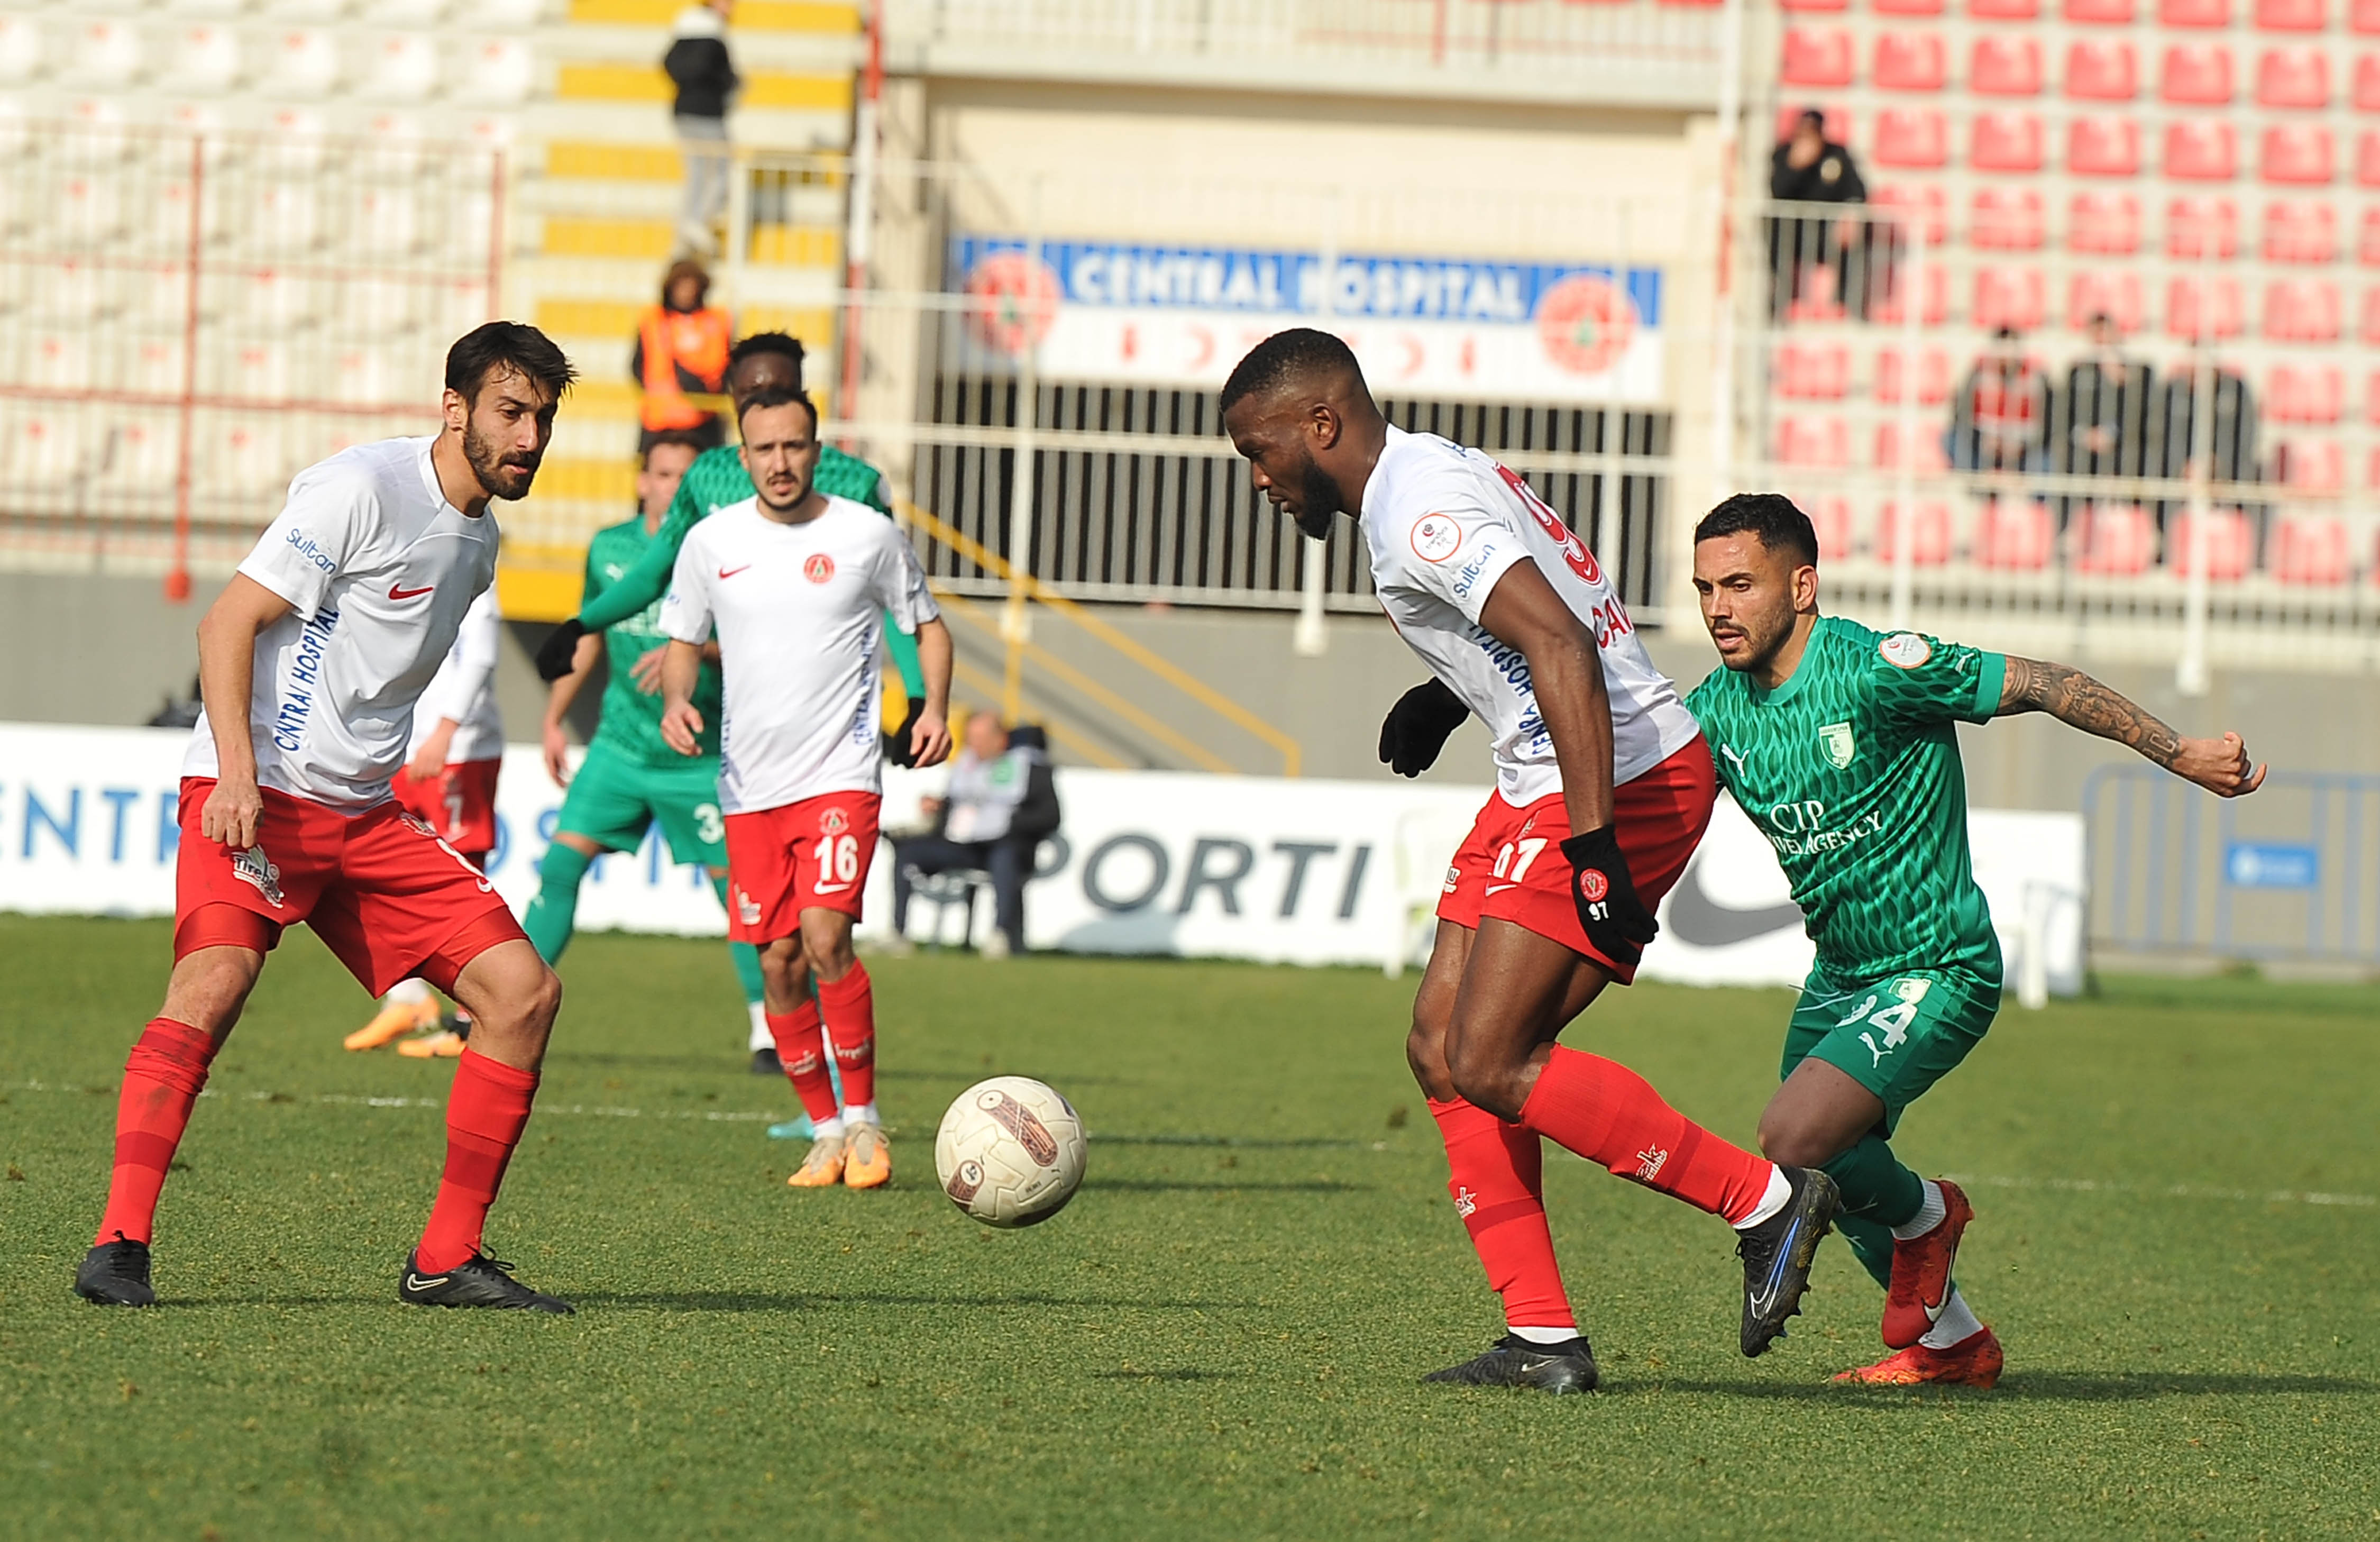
(379, 569)
(1444, 524)
(465, 689)
(795, 608)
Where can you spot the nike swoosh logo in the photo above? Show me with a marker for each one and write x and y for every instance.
(1700, 920)
(1934, 1308)
(1500, 888)
(398, 591)
(416, 1282)
(831, 888)
(1763, 1300)
(731, 571)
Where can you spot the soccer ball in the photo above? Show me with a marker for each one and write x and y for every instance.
(1010, 1152)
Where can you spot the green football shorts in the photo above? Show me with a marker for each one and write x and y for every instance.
(1895, 1037)
(613, 800)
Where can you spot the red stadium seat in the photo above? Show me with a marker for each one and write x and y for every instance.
(2004, 219)
(1813, 372)
(2369, 331)
(2196, 73)
(1814, 57)
(2108, 223)
(1928, 456)
(1929, 534)
(1933, 376)
(2311, 465)
(2003, 10)
(2295, 152)
(1813, 4)
(2114, 541)
(1912, 137)
(2301, 233)
(2224, 312)
(2229, 544)
(2115, 295)
(2014, 537)
(2367, 160)
(2101, 72)
(2364, 16)
(2103, 147)
(1813, 442)
(2290, 15)
(1933, 310)
(2098, 10)
(1929, 204)
(2305, 393)
(2292, 78)
(2367, 245)
(2004, 66)
(1907, 7)
(1830, 518)
(1838, 123)
(2367, 82)
(2202, 227)
(2193, 13)
(2301, 311)
(2201, 149)
(2009, 298)
(1911, 62)
(2005, 141)
(1818, 301)
(2311, 550)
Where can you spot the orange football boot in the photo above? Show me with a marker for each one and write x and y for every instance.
(867, 1160)
(394, 1021)
(1921, 1273)
(1973, 1361)
(822, 1168)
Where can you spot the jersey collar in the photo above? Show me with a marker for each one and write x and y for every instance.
(1764, 696)
(429, 469)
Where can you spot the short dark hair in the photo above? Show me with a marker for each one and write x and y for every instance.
(1285, 358)
(493, 347)
(1772, 517)
(686, 437)
(767, 341)
(758, 400)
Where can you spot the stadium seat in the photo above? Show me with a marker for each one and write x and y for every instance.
(105, 55)
(2367, 244)
(2369, 330)
(2364, 16)
(20, 48)
(1813, 442)
(65, 293)
(1911, 137)
(2311, 550)
(156, 366)
(2292, 78)
(2199, 227)
(2115, 294)
(1928, 203)
(2114, 11)
(2114, 541)
(1934, 309)
(2009, 298)
(42, 450)
(2193, 13)
(281, 218)
(1933, 376)
(1812, 5)
(205, 60)
(2014, 536)
(1911, 62)
(2301, 311)
(1929, 534)
(2295, 152)
(1831, 518)
(2003, 66)
(2225, 311)
(1927, 456)
(139, 456)
(2195, 74)
(1816, 57)
(2003, 10)
(2201, 149)
(502, 72)
(80, 210)
(387, 222)
(2305, 393)
(2103, 147)
(2005, 219)
(404, 68)
(2107, 223)
(242, 461)
(1818, 301)
(2311, 465)
(1839, 122)
(2101, 72)
(2301, 233)
(2290, 15)
(2229, 544)
(1906, 8)
(2367, 83)
(1813, 372)
(2005, 141)
(305, 65)
(2367, 160)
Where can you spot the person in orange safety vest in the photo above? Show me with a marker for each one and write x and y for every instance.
(682, 351)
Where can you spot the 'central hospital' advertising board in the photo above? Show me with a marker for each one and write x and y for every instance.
(1441, 326)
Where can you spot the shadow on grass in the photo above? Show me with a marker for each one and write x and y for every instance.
(2024, 1387)
(1163, 1185)
(1314, 1143)
(811, 1301)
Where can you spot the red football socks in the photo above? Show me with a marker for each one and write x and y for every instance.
(1495, 1175)
(803, 1054)
(850, 1007)
(162, 1079)
(1609, 1114)
(485, 1115)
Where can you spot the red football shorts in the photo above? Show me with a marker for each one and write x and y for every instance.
(459, 804)
(1511, 865)
(381, 890)
(808, 855)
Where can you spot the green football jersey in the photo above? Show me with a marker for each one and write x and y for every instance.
(632, 721)
(1851, 769)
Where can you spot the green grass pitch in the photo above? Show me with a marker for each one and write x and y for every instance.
(2176, 1238)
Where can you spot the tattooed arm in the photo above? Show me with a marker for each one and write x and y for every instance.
(2220, 765)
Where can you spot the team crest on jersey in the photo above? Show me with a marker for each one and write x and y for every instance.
(817, 567)
(832, 822)
(1436, 538)
(252, 867)
(1835, 738)
(1906, 650)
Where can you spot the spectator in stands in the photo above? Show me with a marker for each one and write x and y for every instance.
(1810, 168)
(698, 66)
(2000, 419)
(2106, 415)
(682, 351)
(2234, 445)
(1003, 803)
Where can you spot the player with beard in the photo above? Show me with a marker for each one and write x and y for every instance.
(1603, 787)
(1838, 742)
(793, 582)
(310, 662)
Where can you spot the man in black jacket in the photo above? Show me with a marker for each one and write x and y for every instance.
(1002, 803)
(698, 66)
(2107, 417)
(1810, 168)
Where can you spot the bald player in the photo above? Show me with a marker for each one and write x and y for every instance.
(1603, 787)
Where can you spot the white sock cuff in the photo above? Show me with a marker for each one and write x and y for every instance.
(1542, 1335)
(761, 1038)
(1954, 1327)
(1781, 1190)
(860, 1113)
(829, 1129)
(1930, 1213)
(408, 992)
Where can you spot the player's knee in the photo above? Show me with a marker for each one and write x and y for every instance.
(544, 1002)
(1785, 1139)
(1482, 1079)
(1426, 1052)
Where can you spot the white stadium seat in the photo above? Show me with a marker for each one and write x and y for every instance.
(282, 218)
(388, 224)
(156, 366)
(141, 455)
(20, 48)
(105, 55)
(205, 59)
(42, 450)
(305, 63)
(403, 67)
(241, 460)
(83, 209)
(508, 16)
(502, 72)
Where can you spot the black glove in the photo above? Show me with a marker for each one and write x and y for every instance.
(1615, 919)
(1416, 727)
(559, 651)
(898, 747)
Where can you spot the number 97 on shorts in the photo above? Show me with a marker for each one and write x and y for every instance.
(813, 854)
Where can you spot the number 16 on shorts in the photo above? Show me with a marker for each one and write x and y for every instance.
(813, 854)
